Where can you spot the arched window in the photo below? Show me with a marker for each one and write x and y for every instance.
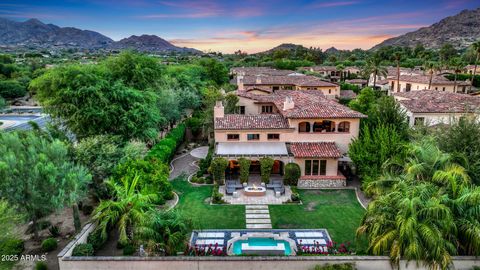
(344, 127)
(324, 126)
(304, 127)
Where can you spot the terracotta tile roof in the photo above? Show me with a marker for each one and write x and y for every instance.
(259, 121)
(315, 150)
(362, 81)
(339, 176)
(432, 101)
(298, 80)
(259, 87)
(436, 80)
(307, 104)
(252, 71)
(349, 94)
(321, 68)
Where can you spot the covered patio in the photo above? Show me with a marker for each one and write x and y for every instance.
(254, 191)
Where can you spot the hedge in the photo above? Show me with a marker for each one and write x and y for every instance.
(165, 149)
(83, 250)
(218, 167)
(244, 169)
(292, 174)
(266, 165)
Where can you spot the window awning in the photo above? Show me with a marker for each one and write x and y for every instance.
(251, 149)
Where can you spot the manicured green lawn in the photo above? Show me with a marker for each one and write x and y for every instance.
(193, 204)
(338, 211)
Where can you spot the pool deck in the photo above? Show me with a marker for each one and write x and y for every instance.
(220, 238)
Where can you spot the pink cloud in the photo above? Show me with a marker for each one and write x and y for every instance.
(333, 4)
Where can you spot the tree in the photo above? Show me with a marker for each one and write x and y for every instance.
(397, 57)
(164, 233)
(3, 104)
(431, 67)
(214, 71)
(217, 168)
(458, 66)
(12, 89)
(341, 68)
(231, 101)
(476, 49)
(364, 101)
(9, 220)
(126, 211)
(386, 111)
(447, 52)
(37, 175)
(375, 67)
(266, 165)
(462, 141)
(84, 100)
(244, 169)
(292, 174)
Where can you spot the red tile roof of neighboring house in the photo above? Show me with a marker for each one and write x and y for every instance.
(307, 104)
(348, 94)
(321, 68)
(259, 121)
(434, 101)
(356, 81)
(259, 87)
(297, 80)
(436, 80)
(315, 150)
(252, 71)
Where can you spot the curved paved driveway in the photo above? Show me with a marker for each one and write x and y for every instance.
(184, 164)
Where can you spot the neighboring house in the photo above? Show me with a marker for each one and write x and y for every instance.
(428, 107)
(253, 71)
(469, 69)
(358, 82)
(303, 127)
(269, 84)
(420, 82)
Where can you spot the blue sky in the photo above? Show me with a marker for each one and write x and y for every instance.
(248, 25)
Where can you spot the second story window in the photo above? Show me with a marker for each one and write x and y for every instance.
(344, 127)
(233, 137)
(253, 137)
(267, 109)
(273, 136)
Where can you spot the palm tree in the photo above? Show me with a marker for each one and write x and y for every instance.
(341, 68)
(458, 66)
(431, 67)
(476, 49)
(397, 56)
(126, 210)
(374, 66)
(164, 232)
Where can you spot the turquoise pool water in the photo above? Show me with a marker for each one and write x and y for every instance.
(257, 241)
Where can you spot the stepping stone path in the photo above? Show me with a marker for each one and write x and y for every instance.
(257, 217)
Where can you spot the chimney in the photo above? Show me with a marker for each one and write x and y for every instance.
(240, 82)
(288, 104)
(218, 110)
(258, 80)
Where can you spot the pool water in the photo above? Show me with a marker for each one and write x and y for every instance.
(259, 241)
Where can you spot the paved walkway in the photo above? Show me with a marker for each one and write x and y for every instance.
(257, 217)
(364, 200)
(185, 163)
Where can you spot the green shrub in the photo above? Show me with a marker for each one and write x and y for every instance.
(205, 163)
(12, 89)
(195, 124)
(342, 266)
(266, 165)
(96, 240)
(218, 167)
(217, 197)
(244, 169)
(49, 244)
(11, 246)
(295, 197)
(41, 266)
(54, 231)
(165, 149)
(129, 250)
(83, 250)
(41, 225)
(292, 174)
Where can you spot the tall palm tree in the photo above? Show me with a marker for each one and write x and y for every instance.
(375, 67)
(431, 67)
(126, 210)
(476, 49)
(397, 56)
(458, 66)
(341, 68)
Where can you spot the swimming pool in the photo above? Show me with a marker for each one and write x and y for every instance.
(263, 245)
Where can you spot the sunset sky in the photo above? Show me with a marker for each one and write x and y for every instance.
(248, 25)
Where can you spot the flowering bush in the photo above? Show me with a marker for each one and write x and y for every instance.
(330, 249)
(210, 250)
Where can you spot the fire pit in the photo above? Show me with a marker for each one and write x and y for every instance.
(255, 191)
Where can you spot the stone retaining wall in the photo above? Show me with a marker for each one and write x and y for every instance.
(324, 183)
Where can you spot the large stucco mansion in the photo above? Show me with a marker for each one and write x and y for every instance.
(301, 126)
